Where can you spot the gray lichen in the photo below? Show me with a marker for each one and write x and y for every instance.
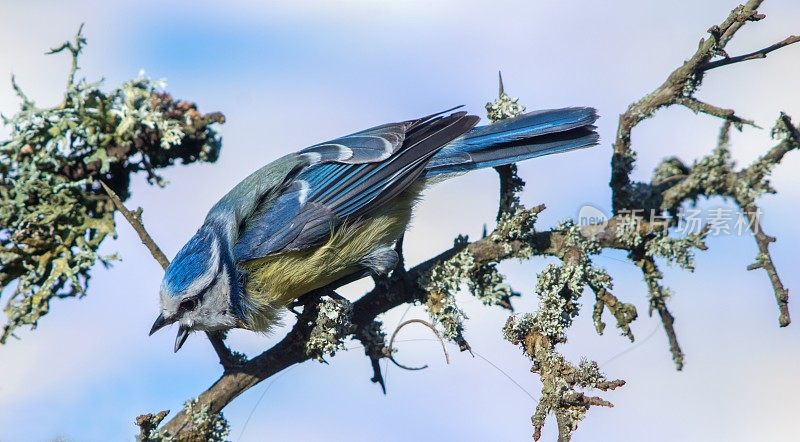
(202, 425)
(206, 426)
(559, 287)
(624, 313)
(148, 428)
(517, 226)
(442, 307)
(488, 285)
(628, 230)
(669, 168)
(504, 106)
(374, 339)
(448, 277)
(678, 251)
(331, 327)
(562, 381)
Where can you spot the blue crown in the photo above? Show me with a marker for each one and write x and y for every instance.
(189, 264)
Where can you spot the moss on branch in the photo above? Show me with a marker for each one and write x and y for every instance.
(53, 212)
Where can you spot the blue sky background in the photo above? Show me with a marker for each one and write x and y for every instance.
(290, 74)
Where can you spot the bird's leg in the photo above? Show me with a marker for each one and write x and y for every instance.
(398, 248)
(226, 357)
(400, 273)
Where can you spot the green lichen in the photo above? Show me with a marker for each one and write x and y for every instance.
(562, 381)
(669, 168)
(448, 277)
(331, 326)
(559, 287)
(53, 213)
(678, 251)
(206, 426)
(517, 226)
(504, 106)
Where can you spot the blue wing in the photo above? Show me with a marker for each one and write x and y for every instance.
(346, 179)
(367, 146)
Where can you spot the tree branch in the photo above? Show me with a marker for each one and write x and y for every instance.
(680, 85)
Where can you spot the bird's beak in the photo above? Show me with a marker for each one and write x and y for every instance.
(183, 333)
(159, 324)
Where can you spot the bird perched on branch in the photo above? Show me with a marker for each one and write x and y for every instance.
(332, 212)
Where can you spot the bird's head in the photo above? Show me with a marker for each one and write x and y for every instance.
(197, 288)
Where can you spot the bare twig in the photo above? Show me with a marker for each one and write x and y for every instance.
(755, 55)
(658, 302)
(135, 220)
(764, 261)
(74, 49)
(715, 111)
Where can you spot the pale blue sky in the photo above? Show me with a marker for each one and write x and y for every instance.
(289, 74)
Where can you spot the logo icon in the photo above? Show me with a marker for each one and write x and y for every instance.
(589, 215)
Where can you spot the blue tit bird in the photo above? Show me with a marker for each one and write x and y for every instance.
(334, 210)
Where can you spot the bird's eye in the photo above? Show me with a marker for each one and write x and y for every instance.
(188, 305)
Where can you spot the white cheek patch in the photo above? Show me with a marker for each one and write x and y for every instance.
(214, 311)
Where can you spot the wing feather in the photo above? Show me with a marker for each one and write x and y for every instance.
(347, 179)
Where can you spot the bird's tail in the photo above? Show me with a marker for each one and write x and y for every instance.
(516, 139)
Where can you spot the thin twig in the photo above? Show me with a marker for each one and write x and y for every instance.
(715, 111)
(135, 220)
(765, 261)
(390, 349)
(755, 55)
(658, 302)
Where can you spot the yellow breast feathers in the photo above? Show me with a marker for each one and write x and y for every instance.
(276, 280)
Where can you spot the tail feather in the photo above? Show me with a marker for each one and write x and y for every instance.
(509, 141)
